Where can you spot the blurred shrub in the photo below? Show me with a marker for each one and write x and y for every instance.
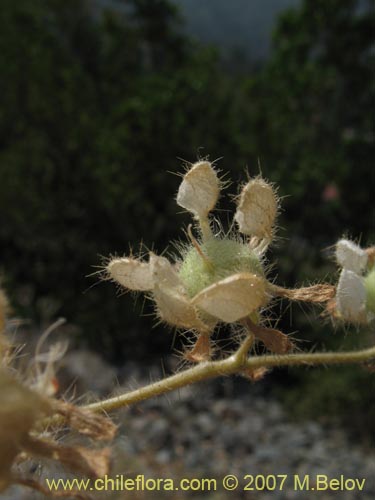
(312, 112)
(311, 109)
(340, 395)
(97, 105)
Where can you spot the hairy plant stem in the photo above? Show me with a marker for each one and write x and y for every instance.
(232, 365)
(229, 366)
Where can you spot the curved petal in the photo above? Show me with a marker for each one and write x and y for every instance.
(351, 256)
(232, 298)
(177, 309)
(351, 297)
(164, 273)
(257, 209)
(173, 305)
(131, 273)
(199, 190)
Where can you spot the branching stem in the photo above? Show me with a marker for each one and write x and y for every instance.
(232, 365)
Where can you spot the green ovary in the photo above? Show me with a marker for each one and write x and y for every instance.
(227, 257)
(370, 290)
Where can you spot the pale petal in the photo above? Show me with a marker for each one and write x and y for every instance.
(163, 273)
(351, 296)
(351, 256)
(131, 273)
(176, 309)
(169, 294)
(199, 189)
(232, 298)
(257, 209)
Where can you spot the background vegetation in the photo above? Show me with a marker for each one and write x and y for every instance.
(100, 100)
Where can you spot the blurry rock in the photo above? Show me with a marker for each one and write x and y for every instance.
(83, 372)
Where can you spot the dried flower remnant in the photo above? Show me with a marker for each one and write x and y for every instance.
(217, 278)
(26, 404)
(22, 413)
(19, 411)
(221, 278)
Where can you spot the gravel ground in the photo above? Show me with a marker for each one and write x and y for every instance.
(205, 432)
(217, 428)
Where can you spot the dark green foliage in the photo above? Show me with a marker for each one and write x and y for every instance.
(96, 107)
(315, 131)
(313, 119)
(335, 395)
(314, 123)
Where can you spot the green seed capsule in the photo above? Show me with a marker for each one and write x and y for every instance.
(224, 258)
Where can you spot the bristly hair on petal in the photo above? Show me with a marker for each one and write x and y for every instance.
(199, 190)
(131, 273)
(257, 209)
